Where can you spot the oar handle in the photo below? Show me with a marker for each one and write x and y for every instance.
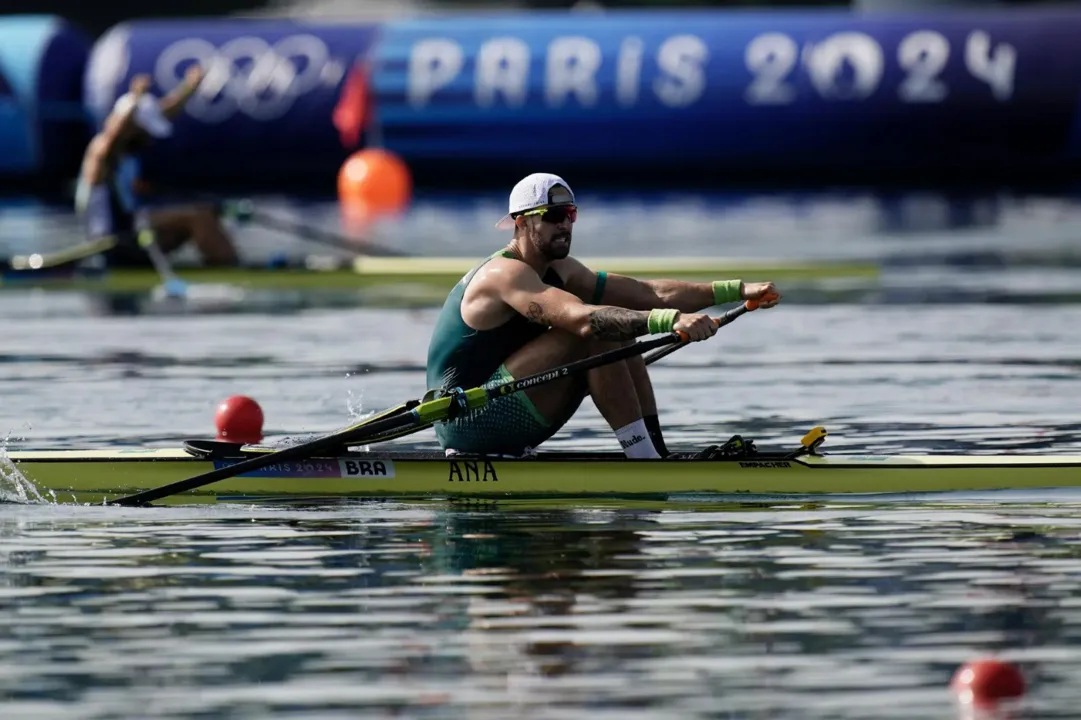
(723, 320)
(729, 316)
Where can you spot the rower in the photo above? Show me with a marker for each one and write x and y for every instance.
(106, 198)
(531, 307)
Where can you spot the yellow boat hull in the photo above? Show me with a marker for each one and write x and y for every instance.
(97, 475)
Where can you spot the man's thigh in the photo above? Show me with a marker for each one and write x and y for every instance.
(512, 423)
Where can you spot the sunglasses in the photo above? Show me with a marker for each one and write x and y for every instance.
(556, 215)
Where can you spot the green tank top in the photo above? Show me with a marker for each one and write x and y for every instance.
(459, 356)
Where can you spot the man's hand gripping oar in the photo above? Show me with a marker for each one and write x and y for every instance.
(765, 298)
(419, 417)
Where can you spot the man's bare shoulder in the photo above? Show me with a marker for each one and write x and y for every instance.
(501, 271)
(498, 276)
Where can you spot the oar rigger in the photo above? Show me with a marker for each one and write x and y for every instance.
(459, 403)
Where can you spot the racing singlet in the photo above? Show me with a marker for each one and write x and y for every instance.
(459, 356)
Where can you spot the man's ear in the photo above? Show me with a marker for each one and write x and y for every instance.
(520, 221)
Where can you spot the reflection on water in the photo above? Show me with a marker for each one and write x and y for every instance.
(742, 611)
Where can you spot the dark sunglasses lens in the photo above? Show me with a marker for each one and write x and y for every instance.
(559, 214)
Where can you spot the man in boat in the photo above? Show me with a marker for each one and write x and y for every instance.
(531, 307)
(107, 199)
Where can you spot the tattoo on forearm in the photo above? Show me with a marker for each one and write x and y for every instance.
(613, 323)
(536, 313)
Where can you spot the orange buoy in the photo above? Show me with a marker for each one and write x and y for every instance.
(239, 419)
(376, 180)
(986, 681)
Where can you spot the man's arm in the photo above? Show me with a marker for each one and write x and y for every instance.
(173, 103)
(101, 145)
(684, 296)
(518, 286)
(628, 292)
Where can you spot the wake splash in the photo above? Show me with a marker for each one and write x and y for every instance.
(354, 406)
(14, 486)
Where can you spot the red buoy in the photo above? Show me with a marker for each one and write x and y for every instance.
(986, 681)
(239, 419)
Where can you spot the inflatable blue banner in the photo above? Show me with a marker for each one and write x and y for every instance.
(42, 126)
(265, 109)
(724, 91)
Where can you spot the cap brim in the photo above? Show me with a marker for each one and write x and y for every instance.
(505, 223)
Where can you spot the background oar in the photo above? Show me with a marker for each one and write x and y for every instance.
(45, 261)
(244, 210)
(37, 262)
(420, 417)
(241, 211)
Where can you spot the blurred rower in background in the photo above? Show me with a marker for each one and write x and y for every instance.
(106, 199)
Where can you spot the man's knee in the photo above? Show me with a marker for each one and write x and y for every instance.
(188, 217)
(204, 218)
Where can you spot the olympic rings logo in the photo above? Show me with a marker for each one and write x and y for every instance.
(249, 75)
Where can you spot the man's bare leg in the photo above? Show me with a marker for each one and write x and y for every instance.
(611, 386)
(613, 390)
(201, 225)
(643, 387)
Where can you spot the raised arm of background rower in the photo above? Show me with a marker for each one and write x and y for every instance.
(174, 102)
(628, 292)
(519, 286)
(101, 146)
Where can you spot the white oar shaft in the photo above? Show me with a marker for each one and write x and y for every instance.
(149, 243)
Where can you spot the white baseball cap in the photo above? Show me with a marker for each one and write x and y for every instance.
(148, 114)
(534, 191)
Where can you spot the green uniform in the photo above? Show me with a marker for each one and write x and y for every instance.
(461, 357)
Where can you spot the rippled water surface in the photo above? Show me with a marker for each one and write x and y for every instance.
(763, 608)
(752, 611)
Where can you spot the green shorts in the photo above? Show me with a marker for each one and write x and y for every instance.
(506, 426)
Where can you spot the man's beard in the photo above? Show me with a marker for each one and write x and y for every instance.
(553, 248)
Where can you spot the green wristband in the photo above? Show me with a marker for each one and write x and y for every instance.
(726, 291)
(661, 320)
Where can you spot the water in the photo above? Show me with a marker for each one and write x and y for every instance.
(816, 608)
(831, 611)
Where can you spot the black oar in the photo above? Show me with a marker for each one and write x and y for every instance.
(421, 416)
(396, 433)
